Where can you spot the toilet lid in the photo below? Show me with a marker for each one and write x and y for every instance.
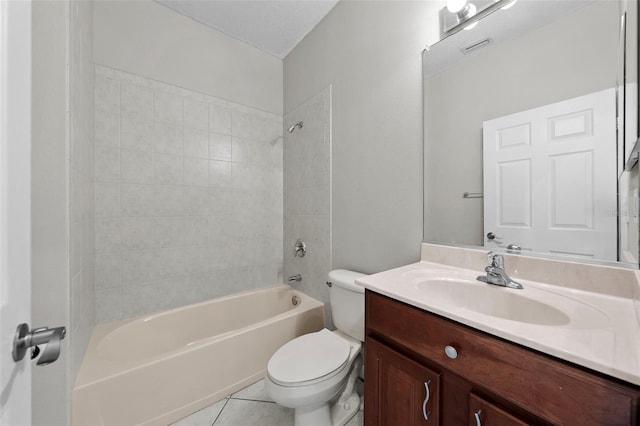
(309, 357)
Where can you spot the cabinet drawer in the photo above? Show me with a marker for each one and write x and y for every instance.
(554, 391)
(484, 413)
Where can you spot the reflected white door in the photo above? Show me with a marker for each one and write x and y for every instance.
(15, 194)
(550, 178)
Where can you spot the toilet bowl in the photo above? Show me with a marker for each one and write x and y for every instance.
(315, 374)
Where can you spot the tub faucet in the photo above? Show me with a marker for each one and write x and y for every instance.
(295, 278)
(496, 274)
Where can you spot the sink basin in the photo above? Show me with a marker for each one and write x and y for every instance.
(493, 301)
(460, 291)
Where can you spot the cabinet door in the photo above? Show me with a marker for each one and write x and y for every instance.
(483, 413)
(400, 391)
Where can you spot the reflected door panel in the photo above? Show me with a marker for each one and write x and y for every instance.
(550, 178)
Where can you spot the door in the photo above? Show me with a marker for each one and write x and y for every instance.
(403, 392)
(15, 195)
(550, 178)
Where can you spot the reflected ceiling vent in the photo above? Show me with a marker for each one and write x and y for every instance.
(478, 44)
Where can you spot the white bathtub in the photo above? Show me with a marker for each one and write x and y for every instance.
(157, 369)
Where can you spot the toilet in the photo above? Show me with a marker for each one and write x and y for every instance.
(316, 374)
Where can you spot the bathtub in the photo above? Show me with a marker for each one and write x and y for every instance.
(157, 369)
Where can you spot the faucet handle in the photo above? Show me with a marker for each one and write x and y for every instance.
(495, 260)
(491, 258)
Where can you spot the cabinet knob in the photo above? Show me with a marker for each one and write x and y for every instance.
(451, 352)
(478, 421)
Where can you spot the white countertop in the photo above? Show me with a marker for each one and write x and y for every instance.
(603, 333)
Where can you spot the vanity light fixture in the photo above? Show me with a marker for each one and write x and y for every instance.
(508, 5)
(463, 10)
(463, 14)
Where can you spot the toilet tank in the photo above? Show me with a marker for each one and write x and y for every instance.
(346, 299)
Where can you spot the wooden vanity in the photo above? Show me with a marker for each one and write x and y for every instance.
(423, 369)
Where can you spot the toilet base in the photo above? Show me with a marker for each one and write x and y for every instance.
(337, 414)
(313, 416)
(348, 404)
(342, 413)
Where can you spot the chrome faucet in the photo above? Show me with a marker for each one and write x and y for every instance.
(295, 278)
(496, 274)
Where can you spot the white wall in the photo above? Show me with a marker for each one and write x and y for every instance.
(147, 39)
(370, 53)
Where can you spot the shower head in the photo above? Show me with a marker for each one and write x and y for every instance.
(298, 125)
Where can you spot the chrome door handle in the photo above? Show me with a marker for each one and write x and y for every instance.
(426, 413)
(25, 339)
(478, 421)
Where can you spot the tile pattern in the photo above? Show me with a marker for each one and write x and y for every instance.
(248, 407)
(307, 184)
(188, 196)
(81, 187)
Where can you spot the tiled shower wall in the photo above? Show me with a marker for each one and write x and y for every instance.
(307, 184)
(188, 196)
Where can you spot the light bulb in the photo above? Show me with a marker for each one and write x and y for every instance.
(470, 13)
(455, 6)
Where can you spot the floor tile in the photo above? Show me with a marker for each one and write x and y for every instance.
(204, 417)
(255, 392)
(240, 412)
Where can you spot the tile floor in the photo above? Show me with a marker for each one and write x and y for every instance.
(249, 407)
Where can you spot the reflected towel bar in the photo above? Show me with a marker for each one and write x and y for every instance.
(472, 195)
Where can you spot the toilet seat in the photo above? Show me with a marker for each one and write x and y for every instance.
(309, 359)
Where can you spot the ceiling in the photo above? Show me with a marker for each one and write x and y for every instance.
(273, 26)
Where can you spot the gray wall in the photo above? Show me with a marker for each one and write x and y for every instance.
(571, 57)
(62, 195)
(188, 196)
(629, 231)
(81, 188)
(50, 201)
(307, 195)
(629, 183)
(369, 52)
(147, 39)
(188, 162)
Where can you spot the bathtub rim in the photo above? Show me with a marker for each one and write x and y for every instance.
(102, 330)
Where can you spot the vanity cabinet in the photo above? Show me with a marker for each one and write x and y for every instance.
(408, 392)
(504, 383)
(483, 412)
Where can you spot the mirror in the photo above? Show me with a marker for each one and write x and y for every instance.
(520, 140)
